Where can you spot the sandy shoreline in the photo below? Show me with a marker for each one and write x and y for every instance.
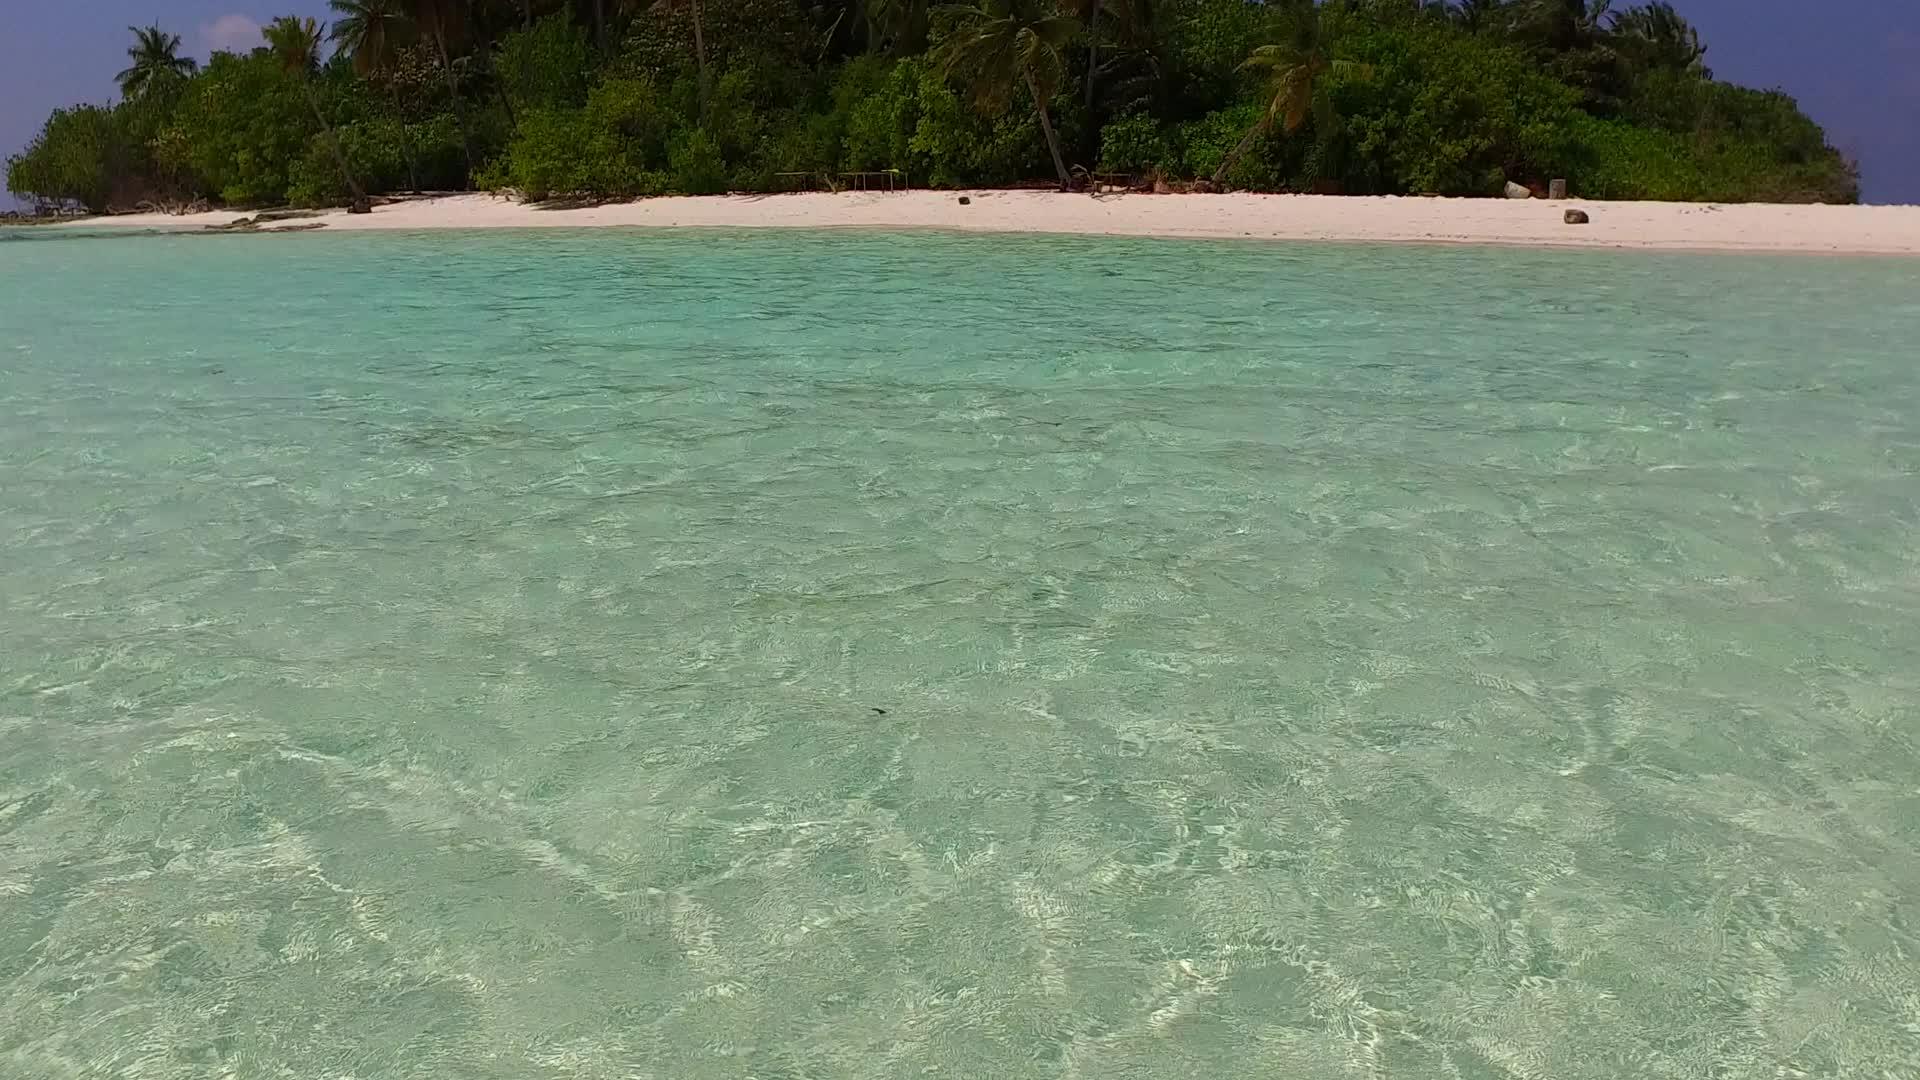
(1837, 230)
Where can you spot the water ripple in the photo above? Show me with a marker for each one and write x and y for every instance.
(621, 655)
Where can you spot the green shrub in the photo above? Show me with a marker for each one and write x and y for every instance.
(1206, 142)
(314, 180)
(245, 124)
(1134, 143)
(796, 142)
(737, 126)
(1748, 144)
(881, 105)
(1433, 110)
(615, 145)
(77, 157)
(954, 144)
(1610, 159)
(696, 166)
(546, 66)
(384, 155)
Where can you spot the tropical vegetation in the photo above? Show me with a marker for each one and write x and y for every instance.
(624, 98)
(157, 64)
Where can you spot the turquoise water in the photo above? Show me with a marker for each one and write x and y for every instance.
(614, 655)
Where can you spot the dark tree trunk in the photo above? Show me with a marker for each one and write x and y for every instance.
(1053, 140)
(700, 55)
(482, 44)
(1093, 54)
(1240, 149)
(406, 139)
(333, 142)
(453, 92)
(484, 51)
(506, 103)
(600, 25)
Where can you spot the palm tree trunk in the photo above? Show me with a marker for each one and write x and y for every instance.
(1093, 54)
(453, 92)
(406, 138)
(1046, 128)
(526, 14)
(484, 52)
(1240, 149)
(600, 25)
(700, 55)
(333, 142)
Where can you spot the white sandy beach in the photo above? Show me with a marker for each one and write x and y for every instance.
(1875, 230)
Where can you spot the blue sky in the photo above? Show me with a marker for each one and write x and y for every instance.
(1854, 64)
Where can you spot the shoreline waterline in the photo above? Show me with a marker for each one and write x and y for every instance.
(1645, 226)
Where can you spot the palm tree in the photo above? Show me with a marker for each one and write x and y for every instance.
(296, 42)
(371, 33)
(1001, 44)
(157, 63)
(1294, 72)
(1660, 37)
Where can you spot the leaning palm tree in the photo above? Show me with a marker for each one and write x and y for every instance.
(1295, 70)
(371, 33)
(157, 63)
(1002, 44)
(296, 42)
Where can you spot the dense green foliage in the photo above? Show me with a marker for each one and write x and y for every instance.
(640, 97)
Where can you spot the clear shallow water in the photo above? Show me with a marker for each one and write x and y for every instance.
(463, 655)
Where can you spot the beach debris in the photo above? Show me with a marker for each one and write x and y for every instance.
(964, 201)
(1576, 217)
(1518, 191)
(1556, 189)
(169, 206)
(361, 205)
(265, 223)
